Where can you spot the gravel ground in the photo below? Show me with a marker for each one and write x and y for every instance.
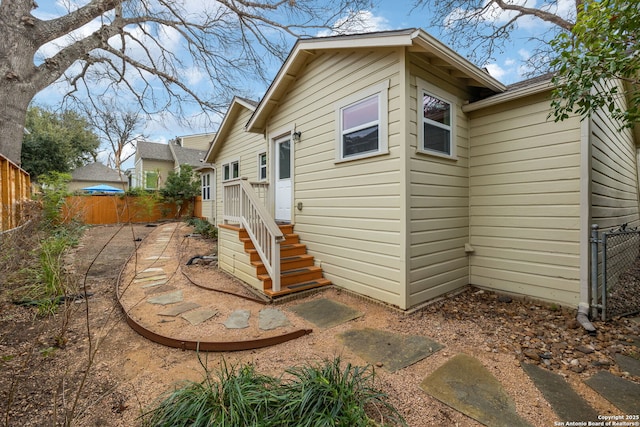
(41, 381)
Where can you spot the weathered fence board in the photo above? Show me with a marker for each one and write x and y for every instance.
(113, 209)
(15, 189)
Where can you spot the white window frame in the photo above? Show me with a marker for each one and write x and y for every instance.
(229, 165)
(424, 87)
(381, 90)
(146, 186)
(207, 187)
(263, 167)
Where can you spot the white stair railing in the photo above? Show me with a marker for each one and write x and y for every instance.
(243, 206)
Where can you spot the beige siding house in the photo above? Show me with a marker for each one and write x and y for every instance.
(154, 162)
(404, 172)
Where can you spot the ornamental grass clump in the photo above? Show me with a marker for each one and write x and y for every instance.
(319, 395)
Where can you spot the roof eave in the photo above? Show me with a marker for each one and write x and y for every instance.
(430, 44)
(223, 130)
(536, 88)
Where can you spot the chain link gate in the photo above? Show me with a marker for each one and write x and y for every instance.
(615, 272)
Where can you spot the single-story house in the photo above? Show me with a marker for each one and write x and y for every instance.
(94, 174)
(389, 165)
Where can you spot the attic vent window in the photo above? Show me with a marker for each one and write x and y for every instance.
(362, 123)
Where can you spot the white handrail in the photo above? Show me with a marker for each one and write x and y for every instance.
(243, 205)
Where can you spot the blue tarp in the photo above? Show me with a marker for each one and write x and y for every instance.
(102, 188)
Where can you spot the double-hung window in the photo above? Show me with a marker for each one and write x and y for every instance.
(362, 123)
(436, 126)
(262, 166)
(231, 170)
(206, 186)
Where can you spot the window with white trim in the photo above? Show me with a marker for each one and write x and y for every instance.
(231, 170)
(262, 166)
(151, 180)
(436, 116)
(206, 186)
(362, 123)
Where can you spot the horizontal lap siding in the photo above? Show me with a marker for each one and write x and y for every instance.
(614, 179)
(525, 201)
(242, 146)
(233, 259)
(439, 201)
(350, 220)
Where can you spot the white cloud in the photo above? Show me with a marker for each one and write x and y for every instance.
(496, 71)
(362, 21)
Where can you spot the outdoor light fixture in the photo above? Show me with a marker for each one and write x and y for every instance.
(296, 136)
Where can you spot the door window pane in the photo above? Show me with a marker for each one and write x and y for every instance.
(284, 160)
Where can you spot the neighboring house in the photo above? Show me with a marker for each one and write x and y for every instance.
(408, 173)
(154, 161)
(95, 174)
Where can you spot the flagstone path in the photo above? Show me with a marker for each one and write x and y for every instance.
(155, 295)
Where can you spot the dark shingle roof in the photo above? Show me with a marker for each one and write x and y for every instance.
(188, 156)
(96, 172)
(154, 151)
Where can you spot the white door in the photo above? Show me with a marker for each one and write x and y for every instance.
(283, 179)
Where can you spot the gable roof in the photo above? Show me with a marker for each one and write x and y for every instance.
(418, 40)
(237, 105)
(187, 156)
(96, 172)
(154, 151)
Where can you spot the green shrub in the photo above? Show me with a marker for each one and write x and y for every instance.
(320, 395)
(203, 227)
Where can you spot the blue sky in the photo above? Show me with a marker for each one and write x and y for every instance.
(385, 15)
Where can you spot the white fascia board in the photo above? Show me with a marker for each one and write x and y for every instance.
(435, 46)
(226, 122)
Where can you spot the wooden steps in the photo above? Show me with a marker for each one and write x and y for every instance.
(297, 268)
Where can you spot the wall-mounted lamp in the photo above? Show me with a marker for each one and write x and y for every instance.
(296, 136)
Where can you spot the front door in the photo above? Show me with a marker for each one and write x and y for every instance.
(283, 179)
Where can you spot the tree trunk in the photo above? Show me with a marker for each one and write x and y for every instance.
(13, 113)
(18, 74)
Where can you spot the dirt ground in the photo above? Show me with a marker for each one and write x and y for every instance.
(105, 374)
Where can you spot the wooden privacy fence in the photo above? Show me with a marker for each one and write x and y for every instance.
(15, 189)
(113, 209)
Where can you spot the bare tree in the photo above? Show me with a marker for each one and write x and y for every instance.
(147, 49)
(484, 27)
(118, 128)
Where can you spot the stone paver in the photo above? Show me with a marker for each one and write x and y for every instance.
(566, 403)
(238, 319)
(179, 308)
(150, 278)
(272, 318)
(467, 386)
(159, 289)
(195, 317)
(164, 299)
(395, 351)
(628, 364)
(623, 394)
(325, 313)
(154, 284)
